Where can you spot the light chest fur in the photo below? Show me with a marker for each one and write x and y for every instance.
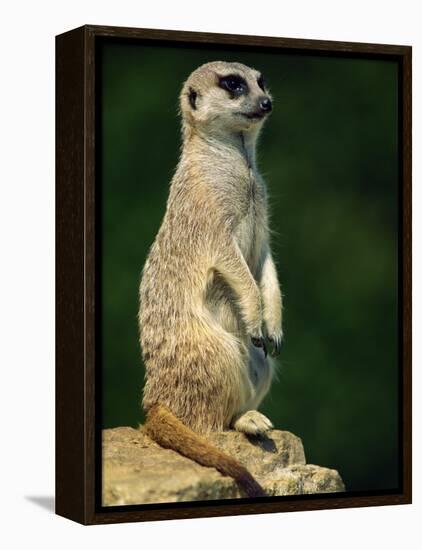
(239, 192)
(251, 230)
(241, 195)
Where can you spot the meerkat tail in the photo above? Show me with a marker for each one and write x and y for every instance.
(169, 432)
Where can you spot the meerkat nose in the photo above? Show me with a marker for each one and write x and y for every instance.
(266, 104)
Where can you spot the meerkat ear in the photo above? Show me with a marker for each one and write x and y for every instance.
(192, 96)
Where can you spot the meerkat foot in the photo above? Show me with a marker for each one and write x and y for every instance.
(253, 423)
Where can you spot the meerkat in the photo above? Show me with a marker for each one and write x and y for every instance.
(209, 292)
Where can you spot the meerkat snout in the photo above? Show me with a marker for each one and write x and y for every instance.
(266, 105)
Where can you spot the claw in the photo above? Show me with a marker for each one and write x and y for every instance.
(260, 343)
(276, 342)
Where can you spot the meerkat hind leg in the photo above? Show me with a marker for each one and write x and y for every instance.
(252, 423)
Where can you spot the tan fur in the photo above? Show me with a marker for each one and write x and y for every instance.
(209, 284)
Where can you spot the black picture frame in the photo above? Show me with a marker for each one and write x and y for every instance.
(78, 308)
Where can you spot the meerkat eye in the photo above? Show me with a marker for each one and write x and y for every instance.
(261, 83)
(234, 84)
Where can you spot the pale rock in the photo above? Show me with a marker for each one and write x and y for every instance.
(136, 470)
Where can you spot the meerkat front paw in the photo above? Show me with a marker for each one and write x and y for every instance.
(276, 340)
(253, 423)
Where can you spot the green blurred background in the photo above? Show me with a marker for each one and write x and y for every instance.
(329, 155)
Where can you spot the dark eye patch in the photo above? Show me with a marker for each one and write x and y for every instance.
(234, 84)
(261, 83)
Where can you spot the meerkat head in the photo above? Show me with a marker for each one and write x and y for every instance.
(224, 98)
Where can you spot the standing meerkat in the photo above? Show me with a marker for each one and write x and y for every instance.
(209, 291)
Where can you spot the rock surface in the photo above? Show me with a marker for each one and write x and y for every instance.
(136, 470)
